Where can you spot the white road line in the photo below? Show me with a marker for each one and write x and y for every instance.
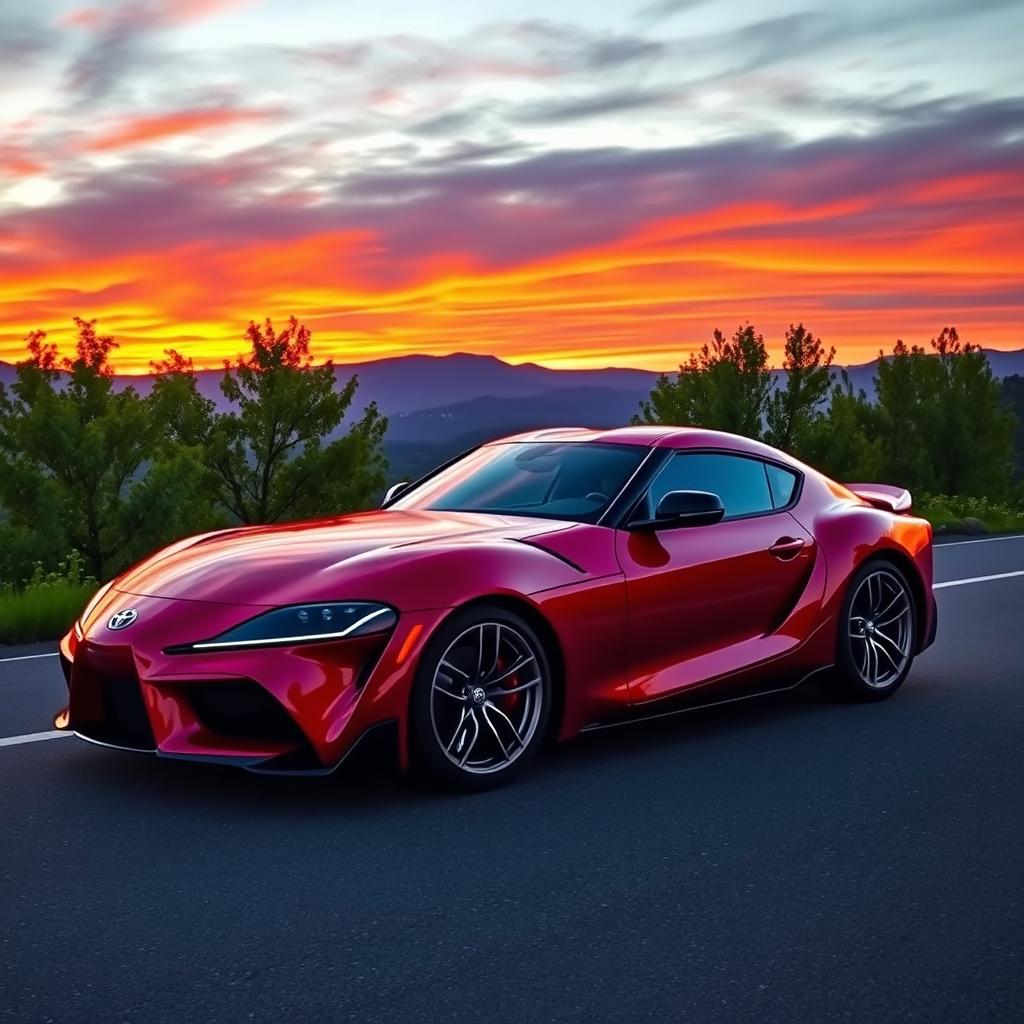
(980, 540)
(33, 737)
(977, 579)
(29, 657)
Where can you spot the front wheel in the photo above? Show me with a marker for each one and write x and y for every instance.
(481, 699)
(877, 632)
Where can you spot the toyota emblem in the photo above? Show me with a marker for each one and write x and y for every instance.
(122, 619)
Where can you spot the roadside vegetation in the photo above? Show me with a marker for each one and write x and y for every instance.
(47, 604)
(93, 478)
(970, 515)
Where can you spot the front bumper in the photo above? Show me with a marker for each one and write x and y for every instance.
(284, 709)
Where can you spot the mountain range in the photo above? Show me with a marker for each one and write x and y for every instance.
(438, 405)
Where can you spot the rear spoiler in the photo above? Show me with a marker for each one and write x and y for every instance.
(883, 496)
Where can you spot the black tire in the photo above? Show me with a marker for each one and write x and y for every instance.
(873, 657)
(496, 735)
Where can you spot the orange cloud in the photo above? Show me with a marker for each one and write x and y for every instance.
(633, 302)
(15, 163)
(141, 130)
(166, 12)
(509, 265)
(81, 17)
(195, 10)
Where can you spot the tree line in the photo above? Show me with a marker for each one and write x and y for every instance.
(110, 473)
(113, 474)
(938, 423)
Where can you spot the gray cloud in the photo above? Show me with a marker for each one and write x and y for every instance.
(620, 50)
(23, 36)
(501, 205)
(453, 122)
(124, 39)
(661, 9)
(111, 52)
(531, 50)
(803, 34)
(594, 105)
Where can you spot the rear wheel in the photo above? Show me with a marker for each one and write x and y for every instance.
(482, 698)
(877, 632)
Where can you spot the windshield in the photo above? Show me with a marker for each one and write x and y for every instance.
(554, 480)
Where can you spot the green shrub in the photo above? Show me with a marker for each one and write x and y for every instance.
(948, 512)
(48, 603)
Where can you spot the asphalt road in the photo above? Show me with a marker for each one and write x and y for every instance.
(790, 860)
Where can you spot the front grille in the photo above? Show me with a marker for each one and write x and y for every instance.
(242, 709)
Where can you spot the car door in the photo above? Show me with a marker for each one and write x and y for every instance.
(704, 601)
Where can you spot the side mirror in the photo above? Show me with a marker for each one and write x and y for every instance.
(393, 492)
(684, 508)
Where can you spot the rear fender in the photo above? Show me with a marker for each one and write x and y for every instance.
(850, 534)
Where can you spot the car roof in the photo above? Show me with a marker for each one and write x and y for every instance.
(643, 436)
(655, 436)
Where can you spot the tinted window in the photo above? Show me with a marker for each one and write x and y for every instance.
(782, 483)
(740, 483)
(575, 481)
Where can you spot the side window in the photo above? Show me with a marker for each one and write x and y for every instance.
(782, 482)
(741, 483)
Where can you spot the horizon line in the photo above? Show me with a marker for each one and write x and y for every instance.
(220, 368)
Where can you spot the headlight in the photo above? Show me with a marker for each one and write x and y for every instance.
(301, 624)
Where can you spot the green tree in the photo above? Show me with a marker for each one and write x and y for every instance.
(900, 389)
(726, 386)
(795, 408)
(843, 442)
(1013, 399)
(972, 443)
(943, 425)
(270, 456)
(86, 467)
(188, 415)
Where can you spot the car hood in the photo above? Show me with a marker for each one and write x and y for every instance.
(268, 565)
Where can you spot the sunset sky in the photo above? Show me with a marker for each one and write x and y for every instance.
(573, 183)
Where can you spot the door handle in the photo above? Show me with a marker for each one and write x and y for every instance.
(786, 548)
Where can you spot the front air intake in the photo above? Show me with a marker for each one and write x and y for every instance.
(242, 709)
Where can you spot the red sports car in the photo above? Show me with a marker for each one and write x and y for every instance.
(536, 587)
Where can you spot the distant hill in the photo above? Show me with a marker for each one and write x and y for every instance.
(558, 407)
(417, 441)
(408, 383)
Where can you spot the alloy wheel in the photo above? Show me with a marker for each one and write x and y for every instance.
(486, 697)
(881, 628)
